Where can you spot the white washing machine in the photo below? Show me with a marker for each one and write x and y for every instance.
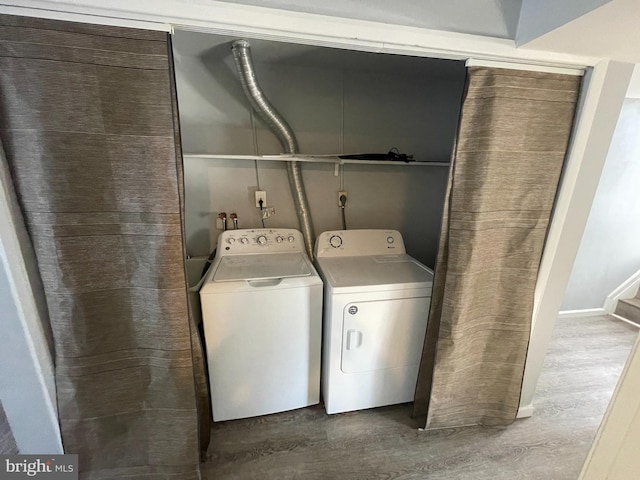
(262, 315)
(376, 305)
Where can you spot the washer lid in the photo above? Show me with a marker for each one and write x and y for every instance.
(388, 270)
(261, 266)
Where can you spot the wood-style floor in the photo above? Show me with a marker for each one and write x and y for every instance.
(582, 367)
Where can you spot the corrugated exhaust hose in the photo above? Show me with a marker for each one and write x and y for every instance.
(282, 130)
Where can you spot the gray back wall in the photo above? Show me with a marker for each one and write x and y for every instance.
(336, 101)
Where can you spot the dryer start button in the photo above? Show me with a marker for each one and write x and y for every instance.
(335, 241)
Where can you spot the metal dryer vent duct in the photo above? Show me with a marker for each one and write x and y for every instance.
(242, 56)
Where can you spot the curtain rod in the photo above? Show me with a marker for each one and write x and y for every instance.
(472, 62)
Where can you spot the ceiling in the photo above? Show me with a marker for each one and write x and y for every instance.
(493, 18)
(592, 28)
(588, 28)
(612, 30)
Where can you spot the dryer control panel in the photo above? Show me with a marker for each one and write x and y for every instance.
(260, 240)
(355, 243)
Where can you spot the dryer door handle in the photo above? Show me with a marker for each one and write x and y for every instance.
(269, 282)
(354, 339)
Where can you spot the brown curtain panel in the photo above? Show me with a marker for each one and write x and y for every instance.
(88, 119)
(512, 139)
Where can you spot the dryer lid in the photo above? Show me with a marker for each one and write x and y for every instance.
(261, 266)
(364, 271)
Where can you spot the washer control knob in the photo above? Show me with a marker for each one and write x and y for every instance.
(291, 238)
(262, 240)
(244, 240)
(335, 241)
(231, 240)
(279, 239)
(390, 240)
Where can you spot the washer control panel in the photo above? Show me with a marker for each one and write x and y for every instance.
(353, 243)
(260, 240)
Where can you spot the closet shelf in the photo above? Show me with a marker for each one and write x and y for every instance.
(312, 159)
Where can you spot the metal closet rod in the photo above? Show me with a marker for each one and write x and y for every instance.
(310, 159)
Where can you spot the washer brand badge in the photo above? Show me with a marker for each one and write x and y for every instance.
(353, 310)
(51, 467)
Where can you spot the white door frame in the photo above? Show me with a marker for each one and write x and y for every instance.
(27, 377)
(596, 119)
(614, 453)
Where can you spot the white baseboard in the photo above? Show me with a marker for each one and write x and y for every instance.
(627, 289)
(587, 312)
(525, 412)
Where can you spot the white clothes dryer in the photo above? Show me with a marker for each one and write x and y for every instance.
(376, 305)
(262, 314)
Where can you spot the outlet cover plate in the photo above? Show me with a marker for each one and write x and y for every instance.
(261, 194)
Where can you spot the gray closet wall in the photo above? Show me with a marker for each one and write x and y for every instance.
(336, 101)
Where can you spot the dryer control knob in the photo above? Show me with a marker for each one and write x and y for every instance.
(291, 238)
(279, 239)
(244, 240)
(231, 240)
(390, 240)
(335, 241)
(262, 240)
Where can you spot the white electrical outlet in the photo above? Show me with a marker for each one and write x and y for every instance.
(339, 195)
(261, 195)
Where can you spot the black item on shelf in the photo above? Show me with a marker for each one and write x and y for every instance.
(392, 155)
